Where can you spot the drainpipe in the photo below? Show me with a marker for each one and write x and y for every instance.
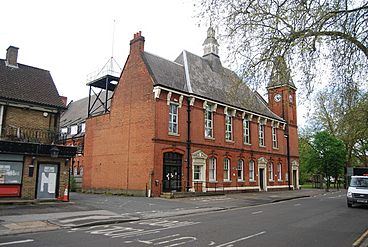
(188, 144)
(288, 154)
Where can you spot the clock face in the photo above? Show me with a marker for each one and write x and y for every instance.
(277, 97)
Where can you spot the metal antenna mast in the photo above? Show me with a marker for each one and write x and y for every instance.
(112, 47)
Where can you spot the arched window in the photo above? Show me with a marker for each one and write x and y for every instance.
(251, 170)
(279, 172)
(226, 169)
(240, 170)
(270, 171)
(212, 169)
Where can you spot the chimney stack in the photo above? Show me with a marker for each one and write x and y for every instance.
(64, 99)
(12, 56)
(137, 43)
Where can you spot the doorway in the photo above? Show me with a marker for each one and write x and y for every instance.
(172, 172)
(295, 185)
(261, 179)
(47, 181)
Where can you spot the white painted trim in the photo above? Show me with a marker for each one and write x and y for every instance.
(251, 114)
(204, 104)
(168, 98)
(181, 101)
(278, 186)
(233, 188)
(36, 108)
(157, 92)
(192, 100)
(186, 69)
(214, 108)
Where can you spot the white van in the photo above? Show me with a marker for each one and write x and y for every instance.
(358, 191)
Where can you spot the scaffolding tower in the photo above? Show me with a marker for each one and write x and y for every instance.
(102, 84)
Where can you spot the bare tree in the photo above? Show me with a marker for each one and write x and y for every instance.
(317, 37)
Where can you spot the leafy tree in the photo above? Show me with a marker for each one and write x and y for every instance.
(330, 155)
(347, 119)
(306, 158)
(313, 36)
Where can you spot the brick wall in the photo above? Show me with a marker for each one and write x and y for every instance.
(118, 153)
(21, 117)
(29, 184)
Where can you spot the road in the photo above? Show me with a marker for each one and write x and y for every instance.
(323, 220)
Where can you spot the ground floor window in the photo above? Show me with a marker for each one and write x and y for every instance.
(197, 172)
(11, 172)
(270, 172)
(251, 170)
(240, 170)
(212, 169)
(226, 169)
(279, 172)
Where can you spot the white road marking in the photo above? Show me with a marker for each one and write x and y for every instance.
(212, 243)
(17, 242)
(241, 239)
(333, 197)
(298, 204)
(258, 212)
(155, 239)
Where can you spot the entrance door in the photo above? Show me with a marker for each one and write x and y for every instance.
(261, 179)
(172, 172)
(47, 181)
(294, 180)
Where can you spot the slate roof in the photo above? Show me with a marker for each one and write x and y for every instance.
(280, 74)
(208, 79)
(165, 72)
(29, 85)
(77, 111)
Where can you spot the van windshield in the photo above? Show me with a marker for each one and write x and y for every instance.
(359, 182)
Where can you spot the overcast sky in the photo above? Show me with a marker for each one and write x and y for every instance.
(73, 38)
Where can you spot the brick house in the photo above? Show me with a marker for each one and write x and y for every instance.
(34, 164)
(192, 125)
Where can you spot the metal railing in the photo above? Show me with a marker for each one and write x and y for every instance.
(32, 135)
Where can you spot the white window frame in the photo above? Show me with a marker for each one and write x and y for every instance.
(173, 119)
(64, 130)
(274, 137)
(228, 126)
(270, 172)
(227, 168)
(279, 172)
(246, 131)
(251, 170)
(241, 168)
(261, 134)
(199, 172)
(208, 121)
(212, 169)
(83, 127)
(74, 129)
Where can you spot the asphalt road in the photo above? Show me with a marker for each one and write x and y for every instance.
(316, 221)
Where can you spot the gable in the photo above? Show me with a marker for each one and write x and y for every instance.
(28, 85)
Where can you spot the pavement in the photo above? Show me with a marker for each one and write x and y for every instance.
(96, 209)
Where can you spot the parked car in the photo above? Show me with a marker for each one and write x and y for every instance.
(358, 191)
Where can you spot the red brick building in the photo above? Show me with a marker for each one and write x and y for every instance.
(192, 125)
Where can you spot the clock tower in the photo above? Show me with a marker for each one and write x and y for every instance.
(281, 92)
